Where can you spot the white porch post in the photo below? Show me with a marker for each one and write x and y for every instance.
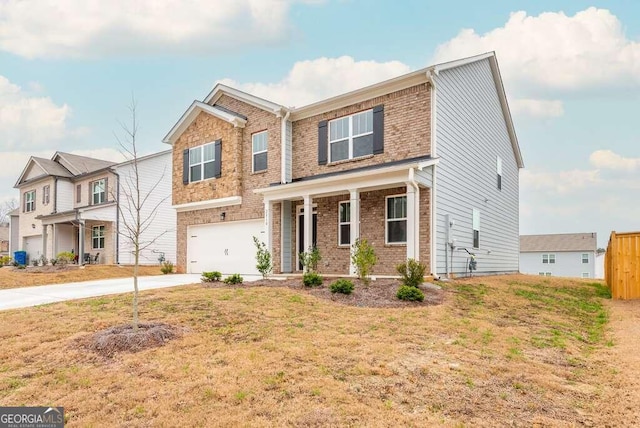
(81, 243)
(44, 240)
(354, 216)
(308, 222)
(413, 206)
(268, 224)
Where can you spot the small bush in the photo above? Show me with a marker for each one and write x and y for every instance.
(54, 262)
(233, 279)
(364, 258)
(412, 272)
(343, 286)
(5, 260)
(264, 264)
(166, 267)
(65, 257)
(309, 259)
(413, 294)
(43, 260)
(312, 279)
(211, 276)
(35, 262)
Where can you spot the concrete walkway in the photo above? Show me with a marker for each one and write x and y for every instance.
(14, 298)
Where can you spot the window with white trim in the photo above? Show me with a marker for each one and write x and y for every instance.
(548, 258)
(97, 237)
(585, 274)
(475, 219)
(585, 258)
(259, 143)
(499, 172)
(98, 192)
(547, 274)
(396, 219)
(30, 201)
(351, 136)
(46, 191)
(344, 223)
(201, 161)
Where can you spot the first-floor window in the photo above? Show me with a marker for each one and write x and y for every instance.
(344, 223)
(476, 228)
(396, 219)
(548, 258)
(585, 274)
(97, 237)
(30, 201)
(585, 258)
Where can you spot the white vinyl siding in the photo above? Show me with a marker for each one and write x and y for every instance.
(470, 131)
(351, 136)
(259, 144)
(201, 160)
(564, 264)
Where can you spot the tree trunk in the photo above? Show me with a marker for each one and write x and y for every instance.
(135, 290)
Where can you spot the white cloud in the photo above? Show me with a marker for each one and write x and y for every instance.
(558, 182)
(537, 108)
(554, 50)
(89, 28)
(29, 120)
(313, 80)
(607, 159)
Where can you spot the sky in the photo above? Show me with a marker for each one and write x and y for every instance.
(571, 70)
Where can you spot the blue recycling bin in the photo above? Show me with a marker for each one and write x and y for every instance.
(20, 257)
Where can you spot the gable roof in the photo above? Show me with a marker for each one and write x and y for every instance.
(80, 165)
(194, 110)
(51, 168)
(220, 90)
(74, 165)
(558, 242)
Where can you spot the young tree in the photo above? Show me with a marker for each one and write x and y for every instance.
(136, 210)
(6, 208)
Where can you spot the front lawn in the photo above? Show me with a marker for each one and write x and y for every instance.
(498, 351)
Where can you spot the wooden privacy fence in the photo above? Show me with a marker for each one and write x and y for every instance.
(622, 265)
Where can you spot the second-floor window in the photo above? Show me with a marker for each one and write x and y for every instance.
(30, 201)
(548, 258)
(344, 223)
(585, 257)
(351, 136)
(499, 172)
(475, 220)
(201, 162)
(259, 143)
(98, 192)
(46, 190)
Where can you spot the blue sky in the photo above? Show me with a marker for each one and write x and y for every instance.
(571, 72)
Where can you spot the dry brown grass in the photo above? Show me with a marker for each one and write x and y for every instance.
(11, 277)
(500, 351)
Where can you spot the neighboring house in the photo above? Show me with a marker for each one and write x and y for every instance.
(423, 166)
(4, 239)
(568, 255)
(70, 203)
(14, 231)
(599, 266)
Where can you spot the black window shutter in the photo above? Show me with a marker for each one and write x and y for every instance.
(185, 166)
(378, 129)
(217, 164)
(323, 142)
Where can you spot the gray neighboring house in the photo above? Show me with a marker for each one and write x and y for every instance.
(14, 231)
(566, 255)
(4, 239)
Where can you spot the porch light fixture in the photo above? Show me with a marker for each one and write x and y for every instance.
(33, 226)
(222, 215)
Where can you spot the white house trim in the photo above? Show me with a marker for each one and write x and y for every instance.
(220, 90)
(212, 203)
(192, 112)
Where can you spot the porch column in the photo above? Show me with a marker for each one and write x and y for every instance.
(308, 222)
(268, 227)
(81, 243)
(413, 225)
(354, 225)
(44, 240)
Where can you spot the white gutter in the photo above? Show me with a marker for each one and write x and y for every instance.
(433, 211)
(283, 148)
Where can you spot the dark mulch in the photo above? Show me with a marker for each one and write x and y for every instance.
(380, 293)
(123, 338)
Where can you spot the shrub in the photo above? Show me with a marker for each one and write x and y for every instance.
(166, 267)
(35, 262)
(54, 262)
(211, 276)
(43, 260)
(233, 279)
(412, 272)
(263, 258)
(312, 279)
(65, 257)
(413, 294)
(5, 260)
(309, 259)
(343, 286)
(364, 258)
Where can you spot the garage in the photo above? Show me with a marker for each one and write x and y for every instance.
(226, 247)
(33, 247)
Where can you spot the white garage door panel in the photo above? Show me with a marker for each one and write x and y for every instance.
(33, 246)
(225, 247)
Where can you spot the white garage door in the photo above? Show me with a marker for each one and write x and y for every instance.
(33, 247)
(226, 247)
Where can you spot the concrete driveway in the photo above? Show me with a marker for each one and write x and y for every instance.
(32, 296)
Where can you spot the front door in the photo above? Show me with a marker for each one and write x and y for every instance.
(314, 232)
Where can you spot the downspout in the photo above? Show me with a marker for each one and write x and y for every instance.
(117, 216)
(433, 212)
(283, 147)
(416, 214)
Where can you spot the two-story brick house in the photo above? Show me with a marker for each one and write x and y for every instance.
(70, 203)
(411, 164)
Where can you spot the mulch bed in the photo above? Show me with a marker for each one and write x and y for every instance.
(380, 293)
(122, 338)
(46, 269)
